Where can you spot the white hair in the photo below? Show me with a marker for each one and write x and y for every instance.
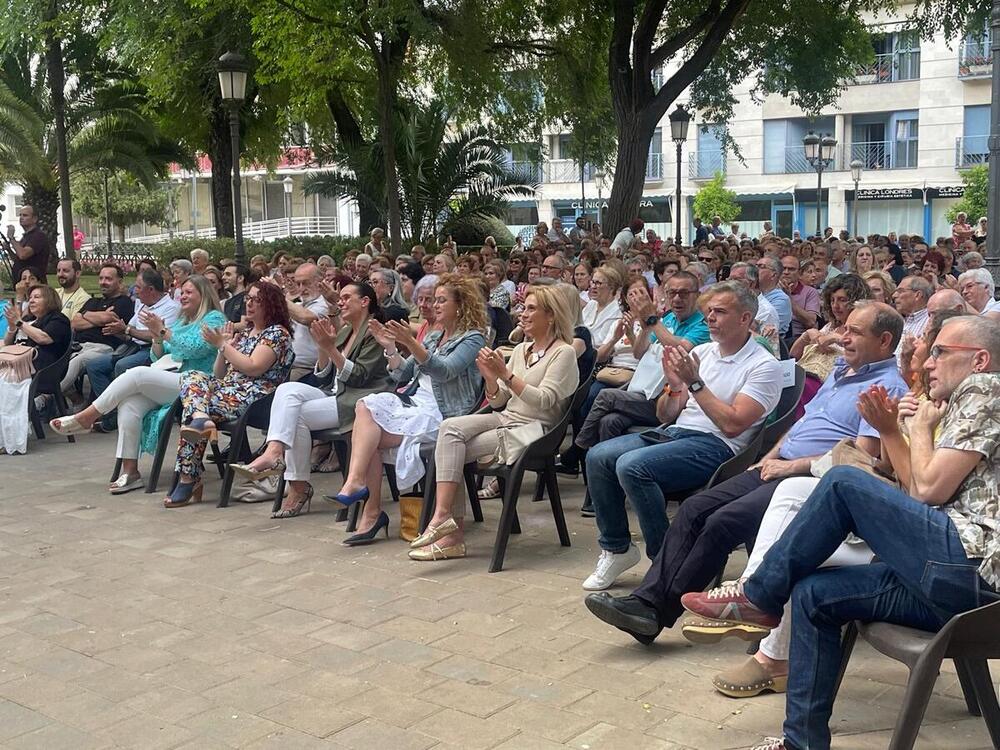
(199, 253)
(364, 258)
(978, 276)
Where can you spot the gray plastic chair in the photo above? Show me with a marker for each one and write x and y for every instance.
(970, 639)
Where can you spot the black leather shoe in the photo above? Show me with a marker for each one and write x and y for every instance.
(567, 469)
(587, 509)
(626, 613)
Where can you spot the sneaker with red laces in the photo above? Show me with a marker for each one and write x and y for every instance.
(771, 743)
(728, 604)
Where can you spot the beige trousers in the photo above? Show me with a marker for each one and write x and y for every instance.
(461, 440)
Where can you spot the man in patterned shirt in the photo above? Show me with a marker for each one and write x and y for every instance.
(938, 549)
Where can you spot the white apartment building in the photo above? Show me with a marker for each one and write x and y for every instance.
(913, 118)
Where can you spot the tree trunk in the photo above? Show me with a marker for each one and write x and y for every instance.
(45, 201)
(387, 134)
(350, 135)
(220, 152)
(57, 85)
(634, 136)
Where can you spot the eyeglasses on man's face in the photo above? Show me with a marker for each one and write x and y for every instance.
(938, 349)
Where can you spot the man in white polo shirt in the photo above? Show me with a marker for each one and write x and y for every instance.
(716, 397)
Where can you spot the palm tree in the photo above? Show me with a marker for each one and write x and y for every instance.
(443, 179)
(105, 123)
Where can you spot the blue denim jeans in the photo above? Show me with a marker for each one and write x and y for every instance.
(645, 472)
(101, 372)
(922, 579)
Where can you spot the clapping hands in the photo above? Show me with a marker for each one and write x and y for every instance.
(324, 333)
(218, 337)
(879, 409)
(385, 337)
(491, 364)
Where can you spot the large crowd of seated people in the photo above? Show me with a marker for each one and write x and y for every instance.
(879, 502)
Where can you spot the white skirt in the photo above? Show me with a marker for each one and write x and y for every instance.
(417, 424)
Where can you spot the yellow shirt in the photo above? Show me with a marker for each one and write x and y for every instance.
(72, 303)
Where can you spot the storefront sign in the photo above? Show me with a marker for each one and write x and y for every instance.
(906, 194)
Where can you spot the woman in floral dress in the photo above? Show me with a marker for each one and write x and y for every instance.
(247, 368)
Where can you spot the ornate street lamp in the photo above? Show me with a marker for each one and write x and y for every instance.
(856, 169)
(599, 179)
(680, 118)
(819, 153)
(233, 83)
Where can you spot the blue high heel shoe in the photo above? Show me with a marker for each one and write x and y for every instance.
(348, 500)
(367, 537)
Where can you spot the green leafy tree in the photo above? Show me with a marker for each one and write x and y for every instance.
(130, 201)
(444, 179)
(105, 127)
(803, 50)
(715, 199)
(976, 196)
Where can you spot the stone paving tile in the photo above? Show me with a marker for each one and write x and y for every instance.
(122, 625)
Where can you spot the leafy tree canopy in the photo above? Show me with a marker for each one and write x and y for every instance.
(714, 199)
(976, 197)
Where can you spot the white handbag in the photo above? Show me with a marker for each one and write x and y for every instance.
(166, 363)
(512, 442)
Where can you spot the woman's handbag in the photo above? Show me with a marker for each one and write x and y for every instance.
(166, 363)
(410, 507)
(17, 362)
(847, 453)
(512, 442)
(615, 377)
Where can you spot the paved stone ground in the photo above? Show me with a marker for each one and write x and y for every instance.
(126, 625)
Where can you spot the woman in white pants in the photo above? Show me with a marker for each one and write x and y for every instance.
(142, 389)
(352, 362)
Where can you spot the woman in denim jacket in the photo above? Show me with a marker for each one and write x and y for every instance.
(438, 380)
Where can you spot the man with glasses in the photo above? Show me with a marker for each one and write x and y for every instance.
(711, 259)
(615, 410)
(305, 305)
(769, 274)
(804, 299)
(553, 266)
(976, 286)
(766, 320)
(938, 548)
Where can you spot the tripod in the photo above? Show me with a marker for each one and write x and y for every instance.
(6, 251)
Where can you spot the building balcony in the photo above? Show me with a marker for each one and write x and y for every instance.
(889, 67)
(532, 169)
(975, 58)
(704, 165)
(971, 150)
(875, 155)
(793, 160)
(568, 170)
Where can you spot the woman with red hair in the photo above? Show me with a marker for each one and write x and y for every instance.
(248, 367)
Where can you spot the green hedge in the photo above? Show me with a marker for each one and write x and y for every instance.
(225, 247)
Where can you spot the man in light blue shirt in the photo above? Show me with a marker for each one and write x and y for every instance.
(769, 272)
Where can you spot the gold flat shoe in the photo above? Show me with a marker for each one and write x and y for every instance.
(437, 552)
(433, 533)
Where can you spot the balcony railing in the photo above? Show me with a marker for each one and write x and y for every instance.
(900, 154)
(971, 150)
(890, 67)
(532, 169)
(704, 165)
(654, 167)
(975, 58)
(794, 162)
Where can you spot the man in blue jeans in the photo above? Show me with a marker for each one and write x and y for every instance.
(716, 397)
(938, 548)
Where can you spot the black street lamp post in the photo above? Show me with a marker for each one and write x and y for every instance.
(680, 118)
(857, 167)
(233, 82)
(819, 153)
(993, 201)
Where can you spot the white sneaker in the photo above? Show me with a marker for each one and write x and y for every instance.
(610, 566)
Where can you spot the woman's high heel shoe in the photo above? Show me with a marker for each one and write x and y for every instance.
(354, 497)
(184, 494)
(275, 469)
(198, 430)
(303, 502)
(368, 537)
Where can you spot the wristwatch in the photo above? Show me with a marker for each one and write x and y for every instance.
(696, 386)
(19, 323)
(651, 320)
(128, 330)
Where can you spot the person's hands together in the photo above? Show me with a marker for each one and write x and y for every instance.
(402, 333)
(928, 415)
(674, 380)
(330, 292)
(323, 333)
(115, 328)
(775, 468)
(152, 321)
(214, 336)
(685, 364)
(385, 337)
(879, 409)
(641, 305)
(491, 364)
